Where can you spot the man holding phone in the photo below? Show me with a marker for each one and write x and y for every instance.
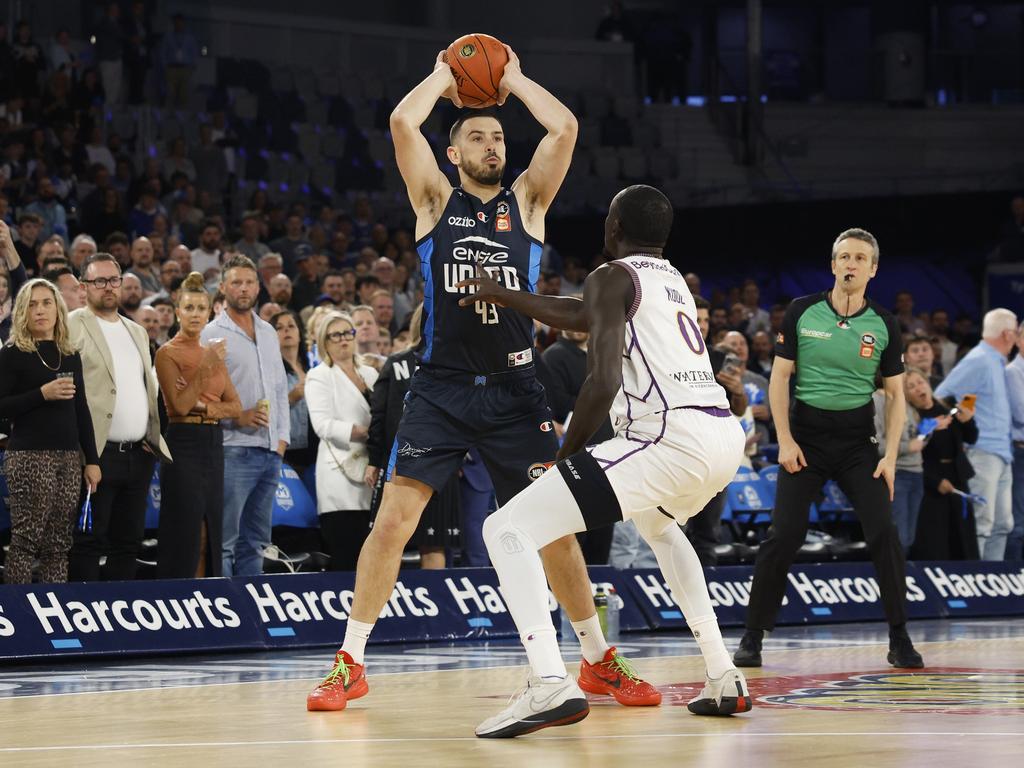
(982, 374)
(836, 342)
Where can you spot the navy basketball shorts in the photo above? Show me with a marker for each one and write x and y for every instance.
(507, 421)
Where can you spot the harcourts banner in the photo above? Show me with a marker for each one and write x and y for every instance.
(814, 594)
(305, 610)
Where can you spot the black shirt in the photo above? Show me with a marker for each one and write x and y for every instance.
(567, 370)
(38, 424)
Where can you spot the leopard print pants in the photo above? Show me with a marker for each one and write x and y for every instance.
(43, 491)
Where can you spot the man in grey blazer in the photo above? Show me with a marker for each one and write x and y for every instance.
(122, 393)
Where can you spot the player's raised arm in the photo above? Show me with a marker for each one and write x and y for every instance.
(607, 295)
(539, 183)
(427, 186)
(563, 312)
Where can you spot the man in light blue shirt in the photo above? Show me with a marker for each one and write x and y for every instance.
(982, 372)
(1015, 388)
(255, 442)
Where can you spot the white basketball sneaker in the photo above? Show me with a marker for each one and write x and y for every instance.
(541, 704)
(725, 695)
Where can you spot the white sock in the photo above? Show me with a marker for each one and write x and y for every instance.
(685, 575)
(542, 651)
(592, 640)
(356, 635)
(712, 647)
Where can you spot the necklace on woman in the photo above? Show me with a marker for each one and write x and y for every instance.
(60, 359)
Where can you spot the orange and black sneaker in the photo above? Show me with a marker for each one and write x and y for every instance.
(345, 682)
(614, 675)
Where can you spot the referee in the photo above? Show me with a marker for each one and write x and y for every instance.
(837, 341)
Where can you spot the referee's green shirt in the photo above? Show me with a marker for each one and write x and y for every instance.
(836, 365)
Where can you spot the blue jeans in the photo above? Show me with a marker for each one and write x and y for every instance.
(906, 503)
(994, 519)
(476, 506)
(1015, 543)
(250, 485)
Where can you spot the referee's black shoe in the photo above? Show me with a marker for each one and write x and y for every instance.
(902, 653)
(749, 652)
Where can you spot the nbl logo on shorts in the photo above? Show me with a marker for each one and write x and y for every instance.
(536, 471)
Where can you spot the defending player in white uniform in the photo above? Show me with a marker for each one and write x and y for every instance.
(676, 446)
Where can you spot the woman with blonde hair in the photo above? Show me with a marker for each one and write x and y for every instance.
(338, 396)
(43, 394)
(198, 393)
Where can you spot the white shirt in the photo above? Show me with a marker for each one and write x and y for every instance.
(131, 405)
(665, 362)
(204, 260)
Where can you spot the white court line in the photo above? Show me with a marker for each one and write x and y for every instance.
(732, 736)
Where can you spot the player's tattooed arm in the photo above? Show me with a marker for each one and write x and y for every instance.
(563, 312)
(607, 296)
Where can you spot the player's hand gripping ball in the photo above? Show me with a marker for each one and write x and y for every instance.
(477, 62)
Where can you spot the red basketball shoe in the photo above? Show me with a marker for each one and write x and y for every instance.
(614, 675)
(345, 682)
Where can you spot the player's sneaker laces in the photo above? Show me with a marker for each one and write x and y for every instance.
(615, 676)
(345, 682)
(725, 695)
(541, 704)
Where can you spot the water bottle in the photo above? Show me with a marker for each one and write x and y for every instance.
(614, 605)
(601, 603)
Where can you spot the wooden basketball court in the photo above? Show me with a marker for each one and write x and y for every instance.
(826, 698)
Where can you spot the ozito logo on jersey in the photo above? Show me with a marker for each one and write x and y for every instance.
(462, 221)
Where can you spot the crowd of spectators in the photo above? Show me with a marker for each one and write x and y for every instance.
(327, 295)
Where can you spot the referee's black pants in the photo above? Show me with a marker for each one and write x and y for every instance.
(837, 445)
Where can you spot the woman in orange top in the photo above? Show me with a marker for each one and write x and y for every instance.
(198, 393)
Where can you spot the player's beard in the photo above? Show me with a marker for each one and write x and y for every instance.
(482, 173)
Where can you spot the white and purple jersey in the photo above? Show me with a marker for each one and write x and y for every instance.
(665, 362)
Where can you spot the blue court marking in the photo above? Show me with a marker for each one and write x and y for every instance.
(480, 621)
(956, 603)
(821, 611)
(671, 614)
(280, 631)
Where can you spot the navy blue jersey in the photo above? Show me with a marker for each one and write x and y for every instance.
(481, 339)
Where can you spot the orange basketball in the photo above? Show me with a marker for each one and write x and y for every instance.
(477, 62)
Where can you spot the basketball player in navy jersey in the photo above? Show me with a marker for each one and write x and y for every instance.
(476, 385)
(676, 445)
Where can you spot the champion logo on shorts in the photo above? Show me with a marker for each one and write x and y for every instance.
(546, 426)
(515, 359)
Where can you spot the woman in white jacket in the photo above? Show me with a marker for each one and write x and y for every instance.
(337, 393)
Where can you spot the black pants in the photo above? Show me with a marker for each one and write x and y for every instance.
(702, 530)
(838, 445)
(344, 533)
(118, 517)
(191, 494)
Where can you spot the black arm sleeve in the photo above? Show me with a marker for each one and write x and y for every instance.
(375, 448)
(891, 363)
(786, 342)
(86, 435)
(13, 402)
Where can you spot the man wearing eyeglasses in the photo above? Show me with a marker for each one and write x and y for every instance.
(122, 395)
